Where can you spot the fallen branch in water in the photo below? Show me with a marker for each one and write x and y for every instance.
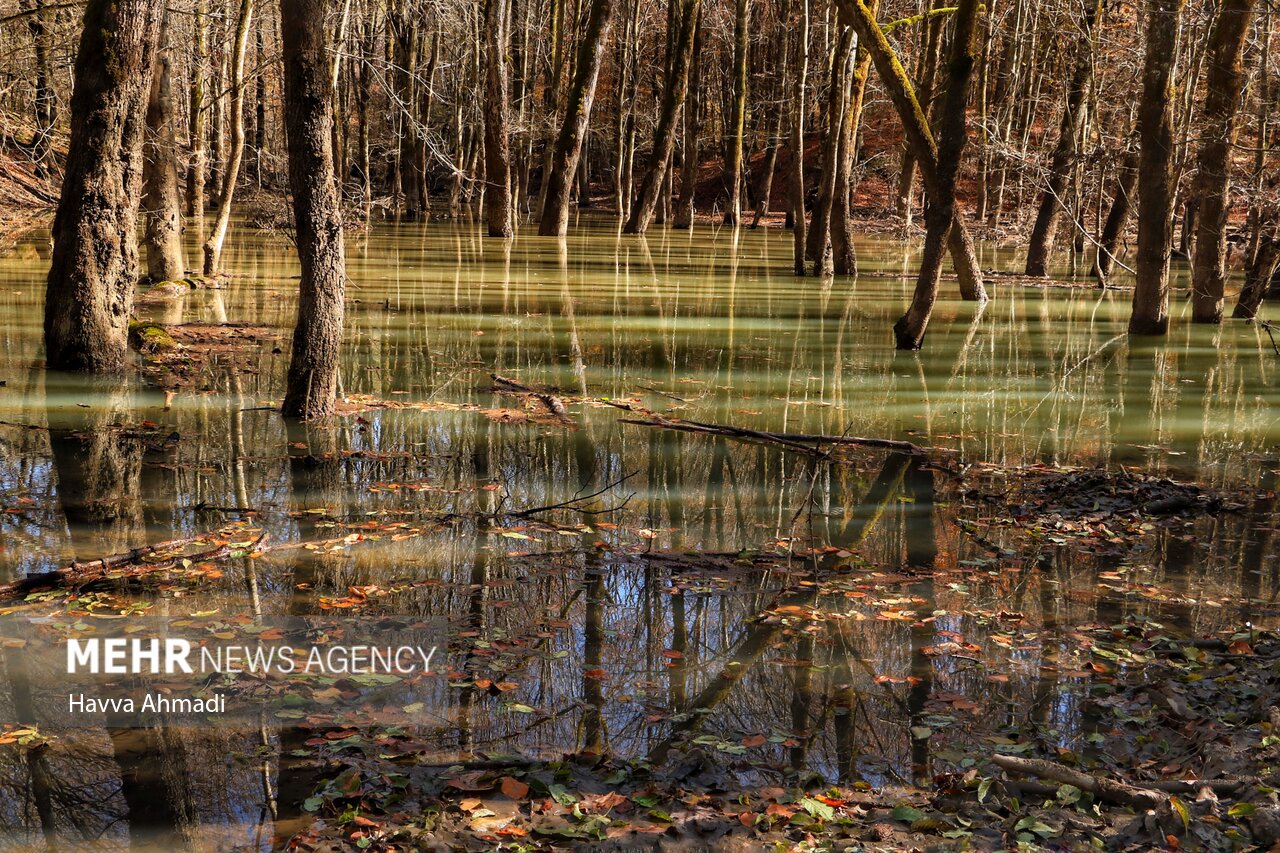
(79, 574)
(553, 403)
(798, 441)
(1103, 789)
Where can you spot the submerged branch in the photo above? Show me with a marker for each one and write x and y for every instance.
(799, 442)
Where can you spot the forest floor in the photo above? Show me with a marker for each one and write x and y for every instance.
(1184, 754)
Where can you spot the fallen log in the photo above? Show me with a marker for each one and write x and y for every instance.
(80, 573)
(1104, 789)
(553, 403)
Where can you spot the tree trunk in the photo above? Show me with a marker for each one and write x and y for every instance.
(1113, 229)
(161, 204)
(95, 252)
(497, 122)
(1155, 171)
(916, 128)
(692, 110)
(1259, 276)
(818, 238)
(1225, 84)
(843, 258)
(46, 102)
(664, 138)
(404, 33)
(940, 219)
(582, 92)
(1064, 154)
(738, 121)
(213, 246)
(308, 111)
(797, 138)
(197, 162)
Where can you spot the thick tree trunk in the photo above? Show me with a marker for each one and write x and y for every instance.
(916, 128)
(1064, 153)
(308, 112)
(95, 252)
(953, 135)
(582, 92)
(664, 137)
(497, 122)
(1225, 84)
(1261, 273)
(738, 120)
(1155, 171)
(231, 173)
(161, 204)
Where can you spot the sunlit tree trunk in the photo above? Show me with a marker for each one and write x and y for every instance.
(664, 137)
(843, 258)
(738, 121)
(231, 172)
(1053, 199)
(910, 329)
(196, 129)
(819, 236)
(95, 252)
(1155, 171)
(916, 129)
(308, 111)
(1222, 100)
(161, 203)
(497, 121)
(582, 92)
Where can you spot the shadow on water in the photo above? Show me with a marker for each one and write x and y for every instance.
(840, 618)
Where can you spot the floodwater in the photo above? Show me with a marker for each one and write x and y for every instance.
(608, 617)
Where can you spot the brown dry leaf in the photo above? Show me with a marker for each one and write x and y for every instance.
(514, 788)
(470, 804)
(754, 740)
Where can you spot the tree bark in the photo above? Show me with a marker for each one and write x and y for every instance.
(1225, 84)
(797, 139)
(582, 92)
(231, 173)
(162, 234)
(95, 253)
(497, 122)
(953, 135)
(692, 115)
(916, 128)
(197, 162)
(1155, 171)
(1064, 153)
(1117, 216)
(738, 121)
(664, 139)
(308, 111)
(843, 258)
(818, 238)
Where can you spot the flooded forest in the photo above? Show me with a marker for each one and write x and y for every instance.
(671, 425)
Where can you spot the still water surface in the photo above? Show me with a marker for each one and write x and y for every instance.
(707, 326)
